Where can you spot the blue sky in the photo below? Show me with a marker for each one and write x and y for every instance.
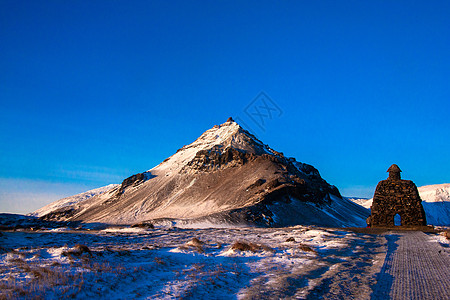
(92, 92)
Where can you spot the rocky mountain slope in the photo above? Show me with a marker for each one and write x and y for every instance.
(225, 176)
(436, 203)
(71, 201)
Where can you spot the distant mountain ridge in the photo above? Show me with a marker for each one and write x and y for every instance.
(226, 176)
(435, 201)
(71, 200)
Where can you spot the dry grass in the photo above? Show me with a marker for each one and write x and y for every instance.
(244, 246)
(40, 280)
(241, 246)
(306, 248)
(33, 280)
(78, 251)
(195, 244)
(159, 261)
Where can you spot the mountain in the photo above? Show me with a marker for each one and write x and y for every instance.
(225, 176)
(71, 201)
(435, 202)
(364, 202)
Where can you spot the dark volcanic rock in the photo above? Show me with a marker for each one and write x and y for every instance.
(273, 184)
(297, 180)
(257, 183)
(146, 225)
(216, 158)
(59, 215)
(134, 180)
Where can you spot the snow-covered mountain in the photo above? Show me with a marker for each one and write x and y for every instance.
(436, 203)
(435, 193)
(225, 176)
(71, 200)
(364, 202)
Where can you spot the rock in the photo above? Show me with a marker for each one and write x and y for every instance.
(214, 159)
(147, 225)
(273, 184)
(133, 180)
(59, 215)
(257, 183)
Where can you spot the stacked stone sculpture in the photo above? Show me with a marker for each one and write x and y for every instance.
(395, 196)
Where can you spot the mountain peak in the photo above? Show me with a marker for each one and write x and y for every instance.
(220, 138)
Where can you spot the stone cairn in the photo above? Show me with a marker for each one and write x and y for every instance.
(396, 196)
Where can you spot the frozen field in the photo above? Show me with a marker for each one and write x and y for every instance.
(244, 263)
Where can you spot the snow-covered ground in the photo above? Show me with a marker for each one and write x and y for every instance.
(443, 237)
(168, 263)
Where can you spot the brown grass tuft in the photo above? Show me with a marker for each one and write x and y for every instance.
(243, 246)
(306, 248)
(159, 261)
(446, 234)
(195, 243)
(77, 251)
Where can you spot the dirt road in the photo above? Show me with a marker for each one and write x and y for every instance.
(416, 267)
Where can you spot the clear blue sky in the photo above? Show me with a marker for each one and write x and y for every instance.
(92, 92)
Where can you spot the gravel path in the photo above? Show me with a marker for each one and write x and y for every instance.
(416, 267)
